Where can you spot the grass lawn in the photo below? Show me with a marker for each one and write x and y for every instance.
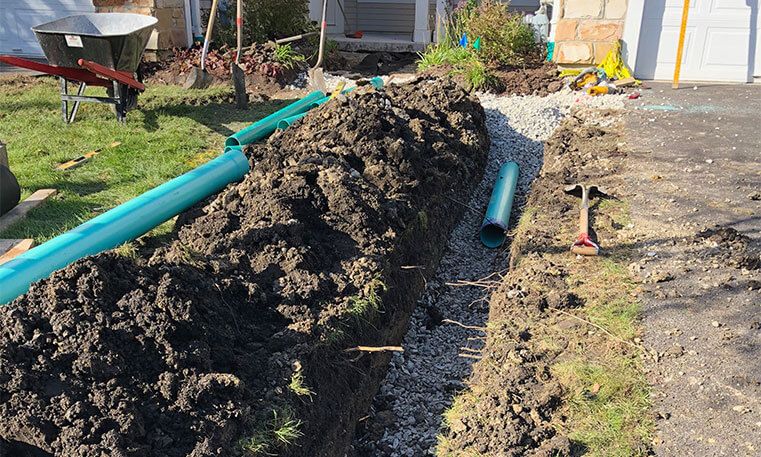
(173, 131)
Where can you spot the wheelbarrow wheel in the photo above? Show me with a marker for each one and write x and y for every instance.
(127, 100)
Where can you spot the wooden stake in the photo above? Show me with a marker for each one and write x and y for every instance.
(375, 349)
(12, 248)
(20, 210)
(680, 46)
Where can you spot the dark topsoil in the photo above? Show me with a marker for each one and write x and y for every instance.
(263, 73)
(188, 350)
(513, 405)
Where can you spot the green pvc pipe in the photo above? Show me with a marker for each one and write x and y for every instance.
(494, 226)
(264, 127)
(121, 224)
(283, 124)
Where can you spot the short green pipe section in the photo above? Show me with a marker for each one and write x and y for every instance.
(494, 226)
(264, 127)
(121, 224)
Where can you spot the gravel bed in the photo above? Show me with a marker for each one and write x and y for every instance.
(421, 381)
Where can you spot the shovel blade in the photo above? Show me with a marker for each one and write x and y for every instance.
(197, 79)
(317, 80)
(239, 83)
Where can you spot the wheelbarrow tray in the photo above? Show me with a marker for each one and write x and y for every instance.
(114, 40)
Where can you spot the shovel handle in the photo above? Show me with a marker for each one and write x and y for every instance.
(584, 220)
(239, 27)
(209, 29)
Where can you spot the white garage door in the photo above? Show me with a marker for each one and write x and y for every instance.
(717, 44)
(17, 17)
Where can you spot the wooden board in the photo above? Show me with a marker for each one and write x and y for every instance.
(21, 210)
(12, 248)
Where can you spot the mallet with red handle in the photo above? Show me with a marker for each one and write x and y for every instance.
(584, 244)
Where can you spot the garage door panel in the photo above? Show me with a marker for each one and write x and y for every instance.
(727, 7)
(716, 41)
(726, 46)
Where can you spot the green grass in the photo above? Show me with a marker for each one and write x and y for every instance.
(607, 400)
(280, 431)
(298, 383)
(173, 131)
(609, 406)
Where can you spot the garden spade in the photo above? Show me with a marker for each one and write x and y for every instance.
(239, 78)
(198, 78)
(584, 244)
(316, 76)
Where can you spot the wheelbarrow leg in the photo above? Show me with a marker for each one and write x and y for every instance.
(119, 103)
(80, 92)
(64, 102)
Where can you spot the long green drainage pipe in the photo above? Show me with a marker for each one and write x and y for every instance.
(264, 127)
(377, 82)
(494, 226)
(121, 224)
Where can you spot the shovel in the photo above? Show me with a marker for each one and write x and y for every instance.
(239, 79)
(198, 78)
(316, 77)
(584, 244)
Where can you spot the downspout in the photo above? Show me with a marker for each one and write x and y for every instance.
(188, 23)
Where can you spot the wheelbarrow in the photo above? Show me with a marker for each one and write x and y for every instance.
(99, 49)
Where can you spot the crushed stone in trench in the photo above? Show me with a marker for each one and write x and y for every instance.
(407, 414)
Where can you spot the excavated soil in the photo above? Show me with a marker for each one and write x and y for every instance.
(513, 406)
(263, 72)
(534, 80)
(241, 325)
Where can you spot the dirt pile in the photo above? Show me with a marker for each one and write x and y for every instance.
(729, 247)
(536, 80)
(513, 405)
(232, 340)
(258, 62)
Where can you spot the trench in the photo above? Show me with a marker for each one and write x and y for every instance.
(443, 339)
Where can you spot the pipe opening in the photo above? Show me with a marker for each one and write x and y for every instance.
(232, 141)
(492, 235)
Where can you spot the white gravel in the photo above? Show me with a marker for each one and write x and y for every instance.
(421, 381)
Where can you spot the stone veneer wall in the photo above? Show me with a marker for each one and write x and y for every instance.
(587, 29)
(169, 32)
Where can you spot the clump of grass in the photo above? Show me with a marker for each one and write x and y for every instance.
(280, 431)
(286, 56)
(369, 303)
(297, 384)
(608, 405)
(127, 250)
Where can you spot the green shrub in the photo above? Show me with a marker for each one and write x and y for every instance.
(462, 62)
(265, 20)
(444, 54)
(288, 57)
(505, 38)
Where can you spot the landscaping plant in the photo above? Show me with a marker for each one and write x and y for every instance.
(505, 41)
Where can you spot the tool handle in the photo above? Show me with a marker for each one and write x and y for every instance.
(209, 28)
(584, 220)
(239, 26)
(323, 34)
